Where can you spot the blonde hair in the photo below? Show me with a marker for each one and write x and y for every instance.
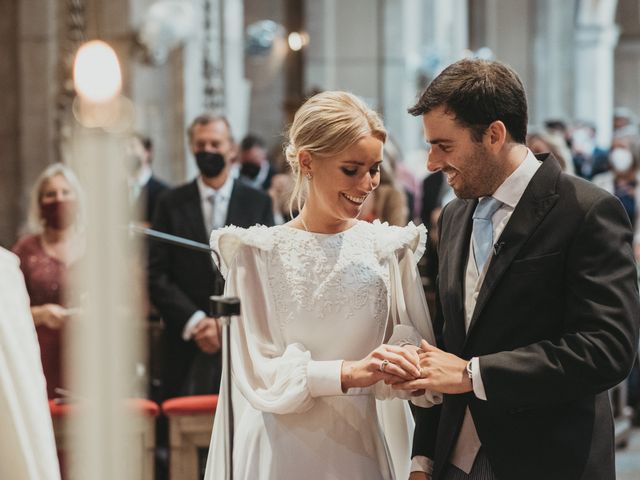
(34, 221)
(325, 125)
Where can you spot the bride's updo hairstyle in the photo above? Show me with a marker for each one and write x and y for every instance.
(326, 125)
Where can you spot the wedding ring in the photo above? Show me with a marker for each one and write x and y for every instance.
(383, 365)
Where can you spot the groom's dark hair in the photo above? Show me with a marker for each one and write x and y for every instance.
(477, 93)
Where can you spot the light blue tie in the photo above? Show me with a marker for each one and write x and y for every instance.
(482, 236)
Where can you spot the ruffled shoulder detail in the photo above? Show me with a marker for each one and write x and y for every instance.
(227, 241)
(390, 239)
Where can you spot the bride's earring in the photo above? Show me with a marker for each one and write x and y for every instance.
(308, 175)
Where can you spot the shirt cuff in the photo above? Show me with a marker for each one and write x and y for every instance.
(476, 379)
(421, 464)
(323, 378)
(191, 324)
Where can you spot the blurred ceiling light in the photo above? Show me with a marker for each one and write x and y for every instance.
(260, 37)
(297, 40)
(166, 25)
(96, 72)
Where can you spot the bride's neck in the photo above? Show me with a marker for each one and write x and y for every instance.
(316, 220)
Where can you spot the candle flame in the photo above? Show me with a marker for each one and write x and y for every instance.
(96, 72)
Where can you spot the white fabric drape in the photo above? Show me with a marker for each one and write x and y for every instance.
(28, 450)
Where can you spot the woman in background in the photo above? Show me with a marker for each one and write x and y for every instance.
(389, 202)
(55, 244)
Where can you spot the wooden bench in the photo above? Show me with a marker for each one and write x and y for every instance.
(140, 444)
(190, 424)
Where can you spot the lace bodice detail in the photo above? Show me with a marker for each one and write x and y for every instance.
(322, 285)
(328, 276)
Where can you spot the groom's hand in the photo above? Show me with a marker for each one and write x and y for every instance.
(440, 371)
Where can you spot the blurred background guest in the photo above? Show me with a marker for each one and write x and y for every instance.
(541, 141)
(144, 187)
(622, 181)
(280, 192)
(588, 158)
(389, 202)
(625, 122)
(55, 244)
(181, 280)
(405, 178)
(255, 167)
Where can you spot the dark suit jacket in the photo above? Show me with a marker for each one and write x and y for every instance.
(149, 197)
(181, 280)
(554, 327)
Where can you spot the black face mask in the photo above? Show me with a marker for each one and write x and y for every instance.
(210, 164)
(250, 170)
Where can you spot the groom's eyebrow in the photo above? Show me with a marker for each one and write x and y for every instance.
(436, 141)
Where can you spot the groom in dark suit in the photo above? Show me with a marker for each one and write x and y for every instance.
(181, 280)
(537, 293)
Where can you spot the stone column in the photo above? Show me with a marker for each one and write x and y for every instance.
(234, 87)
(266, 74)
(627, 56)
(552, 88)
(11, 211)
(593, 81)
(596, 37)
(506, 29)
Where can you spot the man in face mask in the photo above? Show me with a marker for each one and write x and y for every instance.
(255, 168)
(181, 280)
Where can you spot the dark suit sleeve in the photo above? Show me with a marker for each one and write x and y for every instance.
(596, 347)
(267, 214)
(169, 299)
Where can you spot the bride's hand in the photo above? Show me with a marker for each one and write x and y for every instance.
(387, 362)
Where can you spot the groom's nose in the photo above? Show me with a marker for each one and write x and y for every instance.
(433, 165)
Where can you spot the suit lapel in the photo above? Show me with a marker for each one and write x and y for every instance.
(538, 198)
(234, 212)
(193, 213)
(454, 274)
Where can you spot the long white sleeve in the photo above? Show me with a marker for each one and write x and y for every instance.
(272, 376)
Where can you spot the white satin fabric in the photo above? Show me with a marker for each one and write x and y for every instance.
(28, 449)
(310, 301)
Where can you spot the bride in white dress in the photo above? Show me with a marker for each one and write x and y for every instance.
(320, 297)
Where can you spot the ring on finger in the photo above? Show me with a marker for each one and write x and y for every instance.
(383, 365)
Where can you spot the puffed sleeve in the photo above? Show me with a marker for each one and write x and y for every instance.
(408, 310)
(273, 376)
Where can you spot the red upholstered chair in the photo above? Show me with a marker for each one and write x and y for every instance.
(141, 445)
(190, 424)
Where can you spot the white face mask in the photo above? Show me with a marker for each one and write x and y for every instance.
(620, 159)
